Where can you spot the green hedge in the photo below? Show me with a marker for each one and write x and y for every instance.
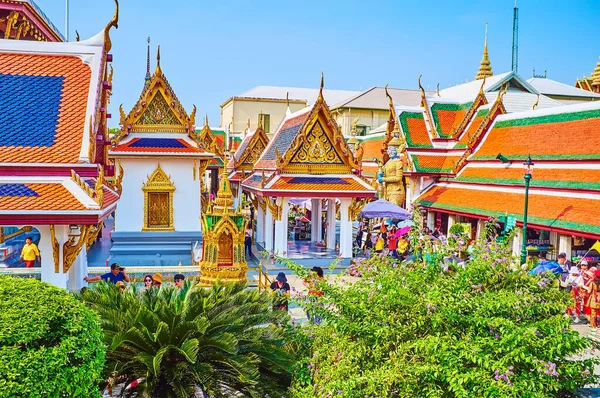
(50, 343)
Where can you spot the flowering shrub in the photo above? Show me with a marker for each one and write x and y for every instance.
(410, 330)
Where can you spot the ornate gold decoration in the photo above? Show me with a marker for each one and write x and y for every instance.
(207, 139)
(157, 110)
(119, 179)
(536, 102)
(485, 67)
(158, 202)
(479, 101)
(11, 20)
(113, 22)
(98, 190)
(55, 249)
(82, 184)
(223, 239)
(356, 207)
(274, 208)
(93, 234)
(426, 110)
(92, 147)
(194, 171)
(319, 141)
(252, 152)
(72, 247)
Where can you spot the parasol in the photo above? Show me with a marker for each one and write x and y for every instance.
(383, 209)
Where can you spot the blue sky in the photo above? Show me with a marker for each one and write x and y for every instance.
(212, 50)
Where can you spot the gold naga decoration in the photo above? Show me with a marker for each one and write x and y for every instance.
(93, 234)
(82, 184)
(72, 247)
(253, 150)
(119, 179)
(497, 107)
(319, 141)
(479, 101)
(223, 230)
(98, 188)
(19, 24)
(425, 105)
(55, 249)
(114, 22)
(92, 142)
(536, 102)
(273, 207)
(356, 207)
(158, 202)
(77, 38)
(195, 169)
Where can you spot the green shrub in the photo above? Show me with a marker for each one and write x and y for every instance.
(409, 330)
(50, 344)
(225, 340)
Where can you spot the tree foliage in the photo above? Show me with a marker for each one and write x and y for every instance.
(50, 344)
(225, 340)
(411, 330)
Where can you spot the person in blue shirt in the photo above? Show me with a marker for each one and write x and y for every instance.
(116, 274)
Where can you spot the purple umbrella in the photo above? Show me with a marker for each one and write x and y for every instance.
(383, 209)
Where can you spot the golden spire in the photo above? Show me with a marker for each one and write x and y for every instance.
(485, 67)
(288, 110)
(224, 198)
(206, 119)
(158, 71)
(596, 75)
(320, 97)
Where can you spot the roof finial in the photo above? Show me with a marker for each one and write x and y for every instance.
(206, 119)
(288, 110)
(485, 67)
(536, 102)
(437, 90)
(113, 22)
(387, 94)
(482, 84)
(158, 69)
(320, 98)
(77, 38)
(148, 77)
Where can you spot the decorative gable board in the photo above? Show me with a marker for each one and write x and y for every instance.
(316, 148)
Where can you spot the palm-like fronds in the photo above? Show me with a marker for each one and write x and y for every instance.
(225, 340)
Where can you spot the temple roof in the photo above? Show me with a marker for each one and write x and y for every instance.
(552, 87)
(157, 110)
(148, 144)
(28, 22)
(305, 185)
(309, 141)
(50, 99)
(250, 150)
(564, 168)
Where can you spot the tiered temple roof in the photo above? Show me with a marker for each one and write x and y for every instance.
(53, 120)
(245, 157)
(158, 125)
(308, 155)
(591, 83)
(565, 188)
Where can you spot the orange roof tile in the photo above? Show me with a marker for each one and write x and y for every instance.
(434, 163)
(558, 136)
(575, 214)
(415, 130)
(69, 131)
(50, 196)
(470, 132)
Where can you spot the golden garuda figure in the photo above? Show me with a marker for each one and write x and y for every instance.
(392, 173)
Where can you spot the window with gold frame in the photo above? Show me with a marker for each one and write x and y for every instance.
(158, 202)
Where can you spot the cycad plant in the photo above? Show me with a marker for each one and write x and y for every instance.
(224, 340)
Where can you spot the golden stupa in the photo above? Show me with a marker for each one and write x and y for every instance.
(223, 228)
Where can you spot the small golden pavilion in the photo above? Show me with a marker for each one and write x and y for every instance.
(223, 255)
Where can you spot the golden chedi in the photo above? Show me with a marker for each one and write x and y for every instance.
(223, 228)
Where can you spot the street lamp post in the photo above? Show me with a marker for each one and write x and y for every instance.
(528, 168)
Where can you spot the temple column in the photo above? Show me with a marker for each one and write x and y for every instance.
(49, 274)
(345, 229)
(268, 229)
(281, 229)
(316, 227)
(564, 245)
(78, 271)
(330, 224)
(517, 240)
(431, 220)
(480, 228)
(451, 222)
(260, 226)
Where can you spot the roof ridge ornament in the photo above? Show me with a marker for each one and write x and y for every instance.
(536, 102)
(158, 71)
(320, 97)
(113, 22)
(485, 66)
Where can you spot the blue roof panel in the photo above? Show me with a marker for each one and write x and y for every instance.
(158, 143)
(16, 190)
(29, 109)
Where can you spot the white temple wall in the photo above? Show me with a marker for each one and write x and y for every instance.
(186, 198)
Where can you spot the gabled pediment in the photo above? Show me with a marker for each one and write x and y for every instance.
(207, 139)
(319, 146)
(158, 109)
(252, 152)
